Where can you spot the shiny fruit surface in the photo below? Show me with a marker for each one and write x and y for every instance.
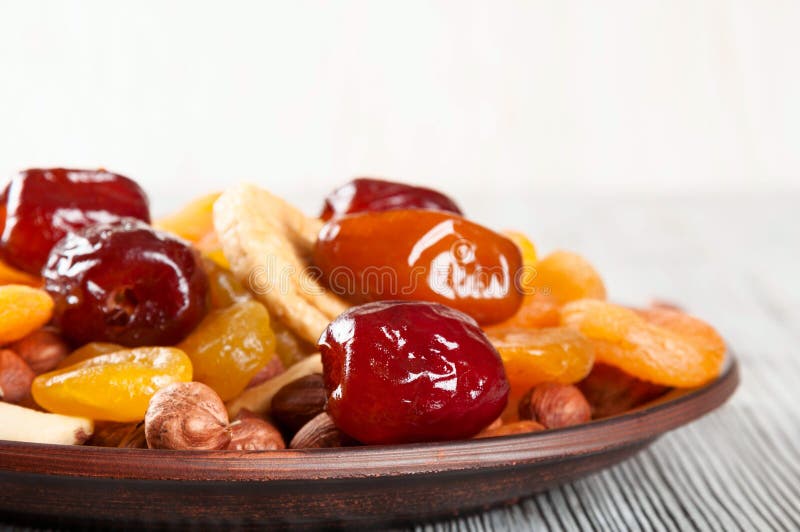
(421, 256)
(112, 387)
(371, 195)
(409, 371)
(43, 205)
(126, 283)
(230, 346)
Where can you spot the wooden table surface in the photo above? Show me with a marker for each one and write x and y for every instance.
(735, 261)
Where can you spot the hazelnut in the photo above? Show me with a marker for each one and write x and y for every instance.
(611, 391)
(320, 432)
(518, 427)
(42, 350)
(15, 377)
(135, 438)
(251, 433)
(187, 415)
(299, 402)
(555, 405)
(129, 435)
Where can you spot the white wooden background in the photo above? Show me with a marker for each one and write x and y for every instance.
(680, 118)
(532, 95)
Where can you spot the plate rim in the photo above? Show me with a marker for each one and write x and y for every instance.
(627, 429)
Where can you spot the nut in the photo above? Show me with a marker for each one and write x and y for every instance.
(320, 432)
(15, 377)
(28, 425)
(258, 399)
(134, 439)
(517, 427)
(611, 391)
(186, 415)
(130, 435)
(299, 402)
(251, 433)
(555, 405)
(42, 350)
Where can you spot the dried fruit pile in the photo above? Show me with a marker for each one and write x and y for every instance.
(240, 323)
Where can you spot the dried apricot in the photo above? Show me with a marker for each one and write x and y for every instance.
(289, 347)
(675, 351)
(112, 387)
(223, 288)
(22, 310)
(525, 245)
(699, 332)
(88, 351)
(533, 356)
(194, 221)
(557, 279)
(212, 248)
(230, 346)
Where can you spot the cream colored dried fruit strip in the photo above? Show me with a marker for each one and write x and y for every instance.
(18, 423)
(258, 399)
(268, 242)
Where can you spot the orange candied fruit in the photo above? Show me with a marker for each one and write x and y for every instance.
(23, 309)
(559, 278)
(194, 221)
(112, 387)
(662, 346)
(534, 356)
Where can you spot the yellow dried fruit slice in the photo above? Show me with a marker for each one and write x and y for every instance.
(267, 242)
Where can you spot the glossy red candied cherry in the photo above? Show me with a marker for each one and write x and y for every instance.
(410, 371)
(43, 205)
(126, 283)
(370, 195)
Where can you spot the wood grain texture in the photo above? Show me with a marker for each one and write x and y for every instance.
(365, 486)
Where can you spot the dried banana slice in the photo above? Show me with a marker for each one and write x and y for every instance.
(267, 242)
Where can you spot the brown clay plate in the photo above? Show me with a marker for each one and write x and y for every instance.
(357, 487)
